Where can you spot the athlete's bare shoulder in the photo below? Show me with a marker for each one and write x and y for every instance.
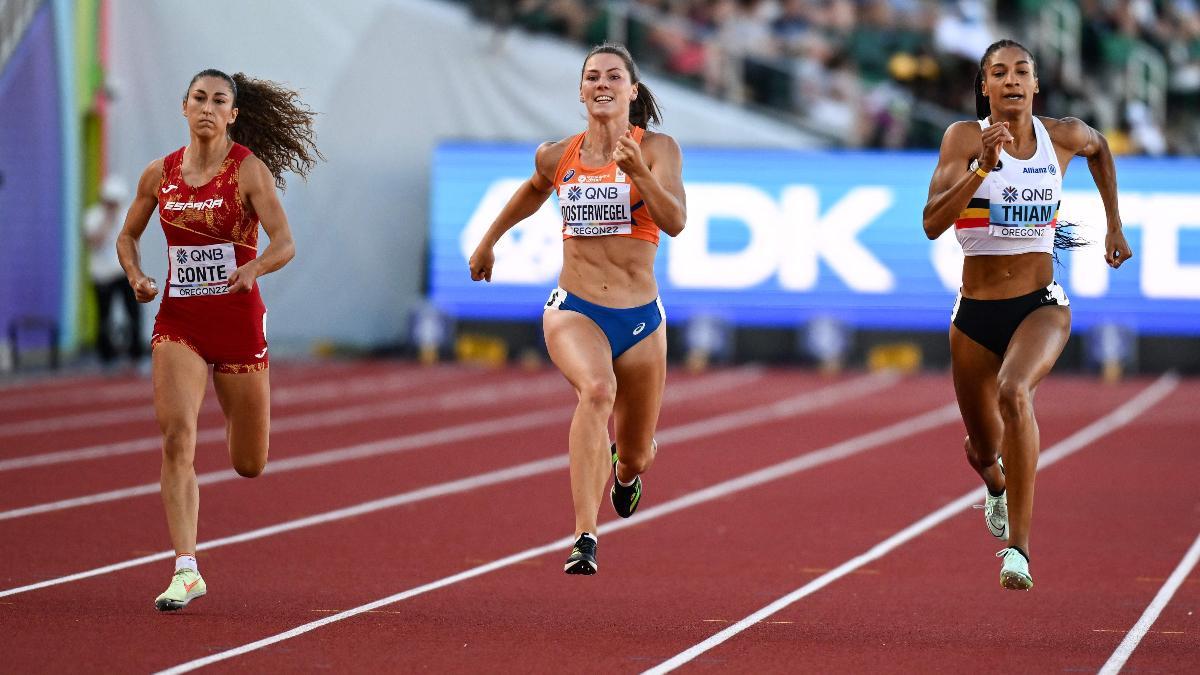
(657, 142)
(150, 179)
(961, 139)
(548, 155)
(1071, 133)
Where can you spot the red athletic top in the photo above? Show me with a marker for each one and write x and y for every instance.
(209, 235)
(601, 201)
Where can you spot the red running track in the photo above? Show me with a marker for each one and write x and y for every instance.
(766, 481)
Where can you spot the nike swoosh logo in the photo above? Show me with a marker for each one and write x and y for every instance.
(188, 587)
(169, 188)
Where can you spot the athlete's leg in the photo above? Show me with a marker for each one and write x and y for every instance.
(1034, 348)
(180, 376)
(246, 400)
(581, 352)
(975, 368)
(641, 375)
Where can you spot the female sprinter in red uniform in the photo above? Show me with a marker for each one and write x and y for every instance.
(998, 182)
(618, 185)
(211, 195)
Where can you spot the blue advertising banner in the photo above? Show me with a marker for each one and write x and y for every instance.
(774, 238)
(31, 166)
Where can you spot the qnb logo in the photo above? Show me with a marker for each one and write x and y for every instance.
(574, 193)
(181, 257)
(200, 206)
(1009, 194)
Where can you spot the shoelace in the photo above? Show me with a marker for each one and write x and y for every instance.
(1004, 551)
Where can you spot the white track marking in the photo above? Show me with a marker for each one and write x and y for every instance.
(284, 396)
(698, 388)
(1157, 605)
(419, 403)
(1124, 414)
(90, 390)
(930, 420)
(782, 409)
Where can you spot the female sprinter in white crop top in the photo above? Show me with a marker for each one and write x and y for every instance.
(1011, 320)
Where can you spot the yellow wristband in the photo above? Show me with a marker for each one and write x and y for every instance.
(981, 173)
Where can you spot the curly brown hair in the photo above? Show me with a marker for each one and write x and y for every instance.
(273, 122)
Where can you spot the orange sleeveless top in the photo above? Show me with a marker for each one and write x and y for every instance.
(601, 201)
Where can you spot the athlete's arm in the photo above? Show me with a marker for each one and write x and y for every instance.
(136, 218)
(1080, 139)
(525, 202)
(953, 183)
(257, 187)
(657, 171)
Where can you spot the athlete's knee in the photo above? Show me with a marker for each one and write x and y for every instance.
(600, 393)
(980, 454)
(249, 466)
(638, 462)
(1015, 398)
(179, 440)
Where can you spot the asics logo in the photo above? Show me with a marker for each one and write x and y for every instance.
(188, 587)
(640, 327)
(170, 187)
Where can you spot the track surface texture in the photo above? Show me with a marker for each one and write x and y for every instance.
(417, 518)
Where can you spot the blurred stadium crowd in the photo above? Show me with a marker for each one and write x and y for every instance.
(895, 73)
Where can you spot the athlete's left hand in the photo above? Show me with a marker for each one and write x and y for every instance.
(628, 156)
(242, 279)
(1116, 251)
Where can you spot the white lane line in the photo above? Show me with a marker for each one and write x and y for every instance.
(1124, 414)
(698, 388)
(474, 395)
(90, 390)
(795, 405)
(930, 420)
(1124, 650)
(284, 396)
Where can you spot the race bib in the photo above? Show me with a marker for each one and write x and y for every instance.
(201, 270)
(595, 210)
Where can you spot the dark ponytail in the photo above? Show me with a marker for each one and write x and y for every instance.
(983, 107)
(643, 110)
(273, 122)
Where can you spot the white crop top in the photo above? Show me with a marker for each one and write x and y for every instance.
(1015, 209)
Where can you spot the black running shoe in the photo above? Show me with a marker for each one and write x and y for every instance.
(583, 556)
(624, 499)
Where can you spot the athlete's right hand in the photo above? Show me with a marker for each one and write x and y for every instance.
(481, 263)
(994, 137)
(145, 289)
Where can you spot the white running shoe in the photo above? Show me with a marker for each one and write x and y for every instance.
(1014, 572)
(995, 510)
(995, 514)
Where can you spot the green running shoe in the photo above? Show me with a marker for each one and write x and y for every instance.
(186, 585)
(1014, 572)
(625, 499)
(583, 556)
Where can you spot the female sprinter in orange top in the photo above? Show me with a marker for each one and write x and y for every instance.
(211, 195)
(998, 182)
(618, 185)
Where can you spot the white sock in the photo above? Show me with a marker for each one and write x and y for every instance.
(186, 562)
(591, 536)
(623, 483)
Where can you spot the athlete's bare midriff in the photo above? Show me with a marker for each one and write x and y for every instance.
(996, 277)
(615, 272)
